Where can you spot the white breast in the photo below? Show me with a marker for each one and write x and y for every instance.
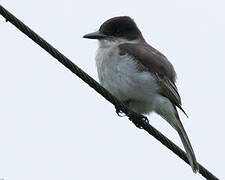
(119, 75)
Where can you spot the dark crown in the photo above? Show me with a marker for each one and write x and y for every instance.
(122, 26)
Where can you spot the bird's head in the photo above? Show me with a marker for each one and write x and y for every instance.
(117, 28)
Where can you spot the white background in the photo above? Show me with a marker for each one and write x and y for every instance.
(54, 126)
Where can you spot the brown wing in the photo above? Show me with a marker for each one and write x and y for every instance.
(158, 65)
(169, 90)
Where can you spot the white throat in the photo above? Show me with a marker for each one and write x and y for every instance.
(106, 43)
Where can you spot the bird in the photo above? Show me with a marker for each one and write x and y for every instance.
(139, 75)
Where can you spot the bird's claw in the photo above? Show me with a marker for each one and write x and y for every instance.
(135, 118)
(120, 113)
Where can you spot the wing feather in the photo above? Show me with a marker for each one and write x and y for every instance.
(158, 65)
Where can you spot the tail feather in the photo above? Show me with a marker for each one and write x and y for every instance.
(190, 153)
(169, 112)
(186, 143)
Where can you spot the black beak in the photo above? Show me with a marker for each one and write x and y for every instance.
(95, 35)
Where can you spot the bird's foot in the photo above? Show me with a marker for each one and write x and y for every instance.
(120, 113)
(138, 119)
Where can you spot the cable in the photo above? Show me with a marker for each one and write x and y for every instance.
(139, 120)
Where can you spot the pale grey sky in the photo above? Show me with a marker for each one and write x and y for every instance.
(53, 126)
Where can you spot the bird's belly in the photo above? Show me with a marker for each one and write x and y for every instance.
(119, 75)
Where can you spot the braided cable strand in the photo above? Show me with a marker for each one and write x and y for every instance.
(139, 120)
